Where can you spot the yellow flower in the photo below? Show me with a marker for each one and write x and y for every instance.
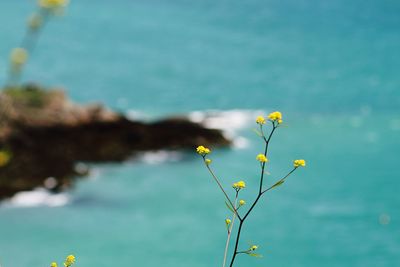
(275, 116)
(53, 264)
(69, 261)
(261, 158)
(51, 4)
(201, 150)
(18, 56)
(242, 202)
(239, 185)
(260, 120)
(208, 161)
(4, 158)
(228, 221)
(299, 163)
(253, 247)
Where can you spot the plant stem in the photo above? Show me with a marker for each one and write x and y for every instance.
(230, 232)
(260, 192)
(265, 153)
(222, 189)
(280, 180)
(248, 212)
(28, 43)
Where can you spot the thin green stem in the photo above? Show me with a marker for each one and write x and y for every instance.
(279, 181)
(265, 153)
(28, 43)
(222, 189)
(230, 232)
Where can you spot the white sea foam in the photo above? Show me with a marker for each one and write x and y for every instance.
(229, 121)
(157, 157)
(136, 115)
(36, 198)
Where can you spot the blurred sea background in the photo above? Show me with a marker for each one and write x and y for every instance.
(331, 67)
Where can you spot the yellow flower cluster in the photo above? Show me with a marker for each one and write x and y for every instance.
(18, 56)
(203, 150)
(299, 163)
(53, 264)
(4, 158)
(261, 158)
(52, 4)
(242, 202)
(228, 221)
(260, 120)
(69, 261)
(275, 116)
(239, 185)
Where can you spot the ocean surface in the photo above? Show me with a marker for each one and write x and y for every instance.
(331, 67)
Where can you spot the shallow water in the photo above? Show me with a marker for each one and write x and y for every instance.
(331, 67)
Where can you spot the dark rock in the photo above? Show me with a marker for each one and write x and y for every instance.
(48, 141)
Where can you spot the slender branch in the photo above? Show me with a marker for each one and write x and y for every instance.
(230, 231)
(222, 189)
(260, 192)
(265, 153)
(236, 243)
(28, 42)
(248, 212)
(279, 181)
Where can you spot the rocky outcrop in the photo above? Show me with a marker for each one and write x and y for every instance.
(49, 138)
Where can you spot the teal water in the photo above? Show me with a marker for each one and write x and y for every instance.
(330, 66)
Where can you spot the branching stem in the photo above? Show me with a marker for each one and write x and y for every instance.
(222, 189)
(260, 192)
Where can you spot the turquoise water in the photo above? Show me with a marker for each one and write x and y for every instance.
(330, 66)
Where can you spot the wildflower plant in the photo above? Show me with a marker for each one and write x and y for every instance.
(68, 262)
(36, 22)
(237, 205)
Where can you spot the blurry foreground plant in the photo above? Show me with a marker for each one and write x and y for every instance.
(69, 261)
(275, 118)
(5, 157)
(20, 55)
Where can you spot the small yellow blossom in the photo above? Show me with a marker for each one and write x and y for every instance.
(203, 150)
(208, 161)
(52, 4)
(69, 261)
(260, 120)
(261, 158)
(239, 185)
(253, 247)
(4, 158)
(275, 116)
(228, 221)
(18, 56)
(242, 202)
(53, 264)
(299, 163)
